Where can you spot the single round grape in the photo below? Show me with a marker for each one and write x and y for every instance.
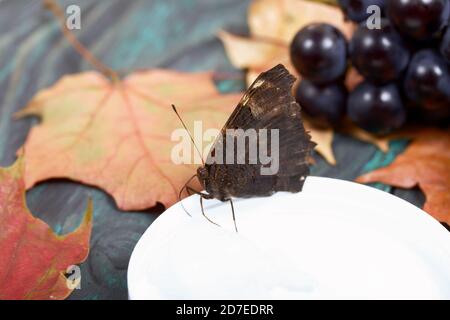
(427, 85)
(380, 55)
(319, 53)
(377, 109)
(445, 46)
(356, 10)
(419, 19)
(324, 104)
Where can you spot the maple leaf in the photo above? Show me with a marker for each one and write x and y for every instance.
(425, 163)
(272, 25)
(34, 259)
(117, 135)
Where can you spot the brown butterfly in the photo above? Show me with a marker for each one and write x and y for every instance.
(267, 106)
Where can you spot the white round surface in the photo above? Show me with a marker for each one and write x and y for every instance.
(334, 240)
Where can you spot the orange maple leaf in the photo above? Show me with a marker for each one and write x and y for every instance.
(425, 163)
(117, 135)
(34, 259)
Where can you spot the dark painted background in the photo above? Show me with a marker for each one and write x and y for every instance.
(126, 35)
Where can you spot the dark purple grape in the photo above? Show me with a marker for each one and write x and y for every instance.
(445, 46)
(324, 104)
(378, 54)
(319, 53)
(419, 19)
(377, 109)
(356, 10)
(427, 85)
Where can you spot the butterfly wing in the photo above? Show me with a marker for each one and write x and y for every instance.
(267, 104)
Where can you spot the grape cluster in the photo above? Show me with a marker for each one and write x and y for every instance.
(404, 60)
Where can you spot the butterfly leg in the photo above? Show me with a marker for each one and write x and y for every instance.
(202, 195)
(203, 212)
(234, 217)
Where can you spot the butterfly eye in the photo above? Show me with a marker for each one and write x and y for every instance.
(202, 173)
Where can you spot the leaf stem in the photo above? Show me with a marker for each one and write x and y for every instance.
(57, 11)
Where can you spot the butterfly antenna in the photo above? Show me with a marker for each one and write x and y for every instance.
(190, 136)
(182, 205)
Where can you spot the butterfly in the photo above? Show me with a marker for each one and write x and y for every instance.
(266, 106)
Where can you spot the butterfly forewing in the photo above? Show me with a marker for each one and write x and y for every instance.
(269, 105)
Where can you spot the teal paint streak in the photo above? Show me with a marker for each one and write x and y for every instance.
(145, 31)
(112, 281)
(40, 46)
(58, 229)
(37, 47)
(154, 34)
(381, 159)
(6, 71)
(227, 86)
